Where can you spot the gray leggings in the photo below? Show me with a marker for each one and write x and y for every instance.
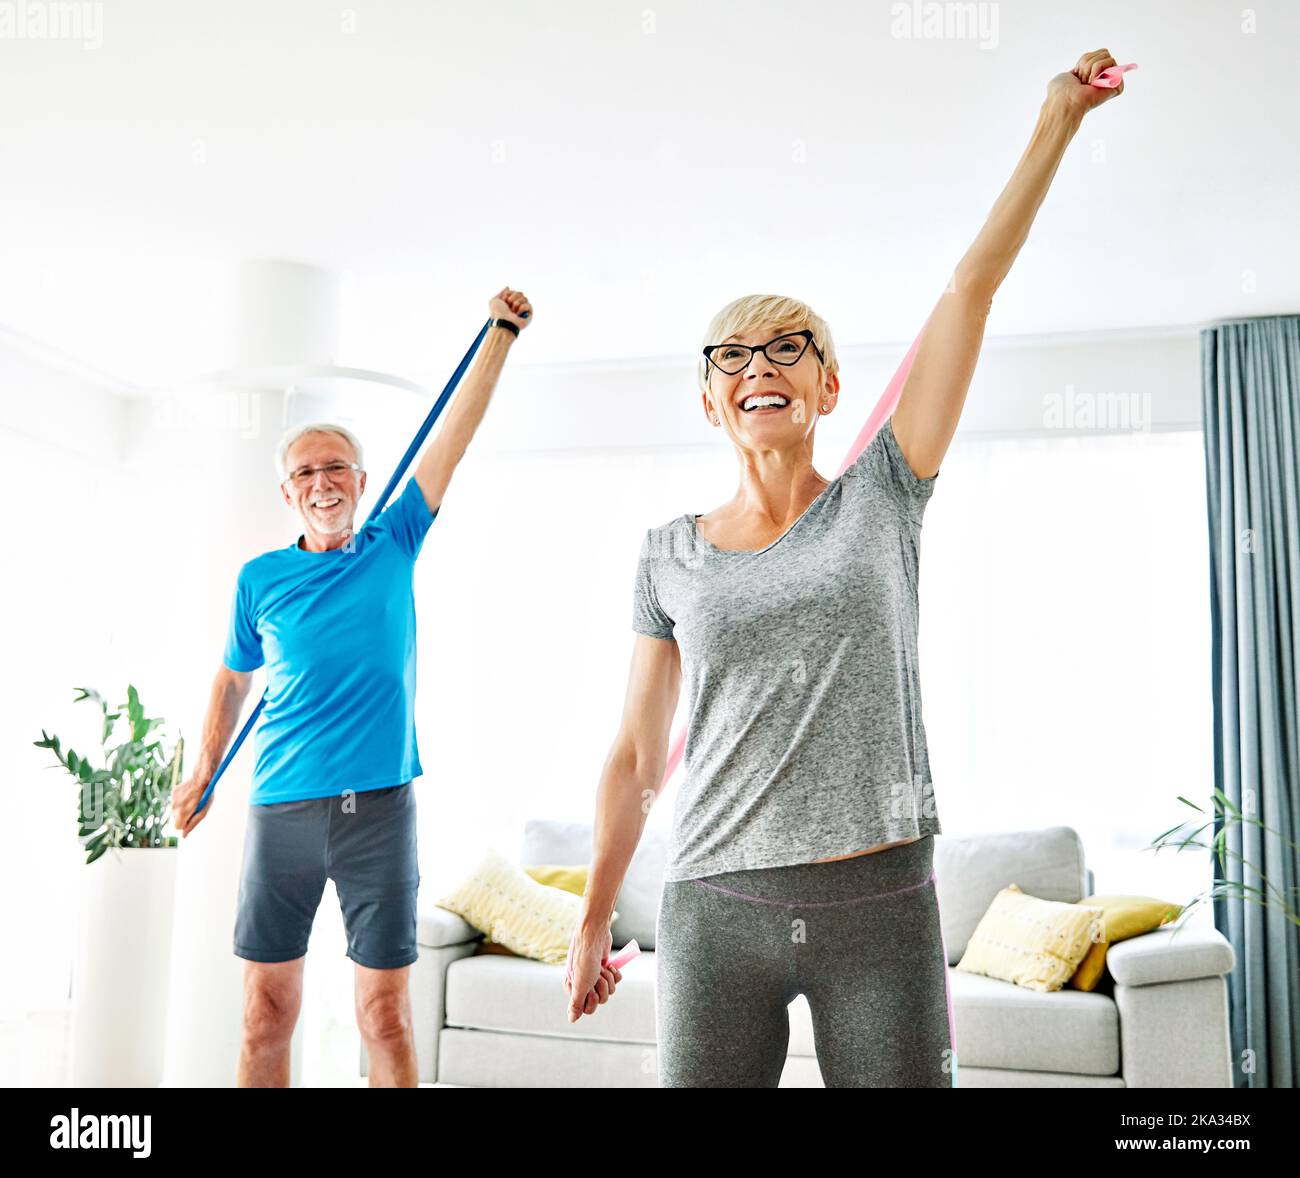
(860, 938)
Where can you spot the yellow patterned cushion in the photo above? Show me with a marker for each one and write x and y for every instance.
(527, 917)
(1122, 917)
(567, 879)
(1034, 943)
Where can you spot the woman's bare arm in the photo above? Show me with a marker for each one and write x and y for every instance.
(930, 404)
(633, 773)
(630, 781)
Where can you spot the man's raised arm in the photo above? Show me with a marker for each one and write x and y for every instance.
(434, 470)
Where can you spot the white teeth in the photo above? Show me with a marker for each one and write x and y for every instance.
(326, 502)
(762, 401)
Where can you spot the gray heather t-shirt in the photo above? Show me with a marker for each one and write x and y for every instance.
(799, 660)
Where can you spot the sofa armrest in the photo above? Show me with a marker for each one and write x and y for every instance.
(1172, 1001)
(438, 928)
(1170, 954)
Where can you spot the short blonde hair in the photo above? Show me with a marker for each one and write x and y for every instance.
(775, 311)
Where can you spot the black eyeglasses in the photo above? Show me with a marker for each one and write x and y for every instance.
(784, 350)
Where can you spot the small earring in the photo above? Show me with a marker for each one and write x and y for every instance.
(823, 408)
(716, 421)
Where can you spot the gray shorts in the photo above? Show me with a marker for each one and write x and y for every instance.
(364, 842)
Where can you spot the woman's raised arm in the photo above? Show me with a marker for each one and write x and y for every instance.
(931, 401)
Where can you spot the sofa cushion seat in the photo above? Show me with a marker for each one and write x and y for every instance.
(1002, 1025)
(496, 992)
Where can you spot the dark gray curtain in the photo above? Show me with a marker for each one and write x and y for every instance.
(1250, 395)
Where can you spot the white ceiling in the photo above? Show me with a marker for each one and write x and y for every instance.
(650, 170)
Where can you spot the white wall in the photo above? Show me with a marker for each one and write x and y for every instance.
(72, 579)
(1153, 375)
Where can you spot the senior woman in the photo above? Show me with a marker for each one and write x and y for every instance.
(801, 855)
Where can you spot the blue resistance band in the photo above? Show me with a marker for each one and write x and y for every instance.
(379, 506)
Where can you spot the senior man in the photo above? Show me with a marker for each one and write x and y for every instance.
(332, 617)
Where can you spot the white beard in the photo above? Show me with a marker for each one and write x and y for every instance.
(331, 524)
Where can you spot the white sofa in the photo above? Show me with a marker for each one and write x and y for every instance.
(1159, 1018)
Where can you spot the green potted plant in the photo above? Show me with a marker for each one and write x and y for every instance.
(126, 802)
(124, 915)
(1225, 817)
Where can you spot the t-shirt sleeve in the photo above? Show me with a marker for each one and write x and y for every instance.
(883, 465)
(407, 519)
(243, 642)
(648, 616)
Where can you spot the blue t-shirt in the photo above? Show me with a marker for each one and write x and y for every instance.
(336, 631)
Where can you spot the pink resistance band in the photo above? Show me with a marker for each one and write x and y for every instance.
(1112, 75)
(618, 961)
(1108, 79)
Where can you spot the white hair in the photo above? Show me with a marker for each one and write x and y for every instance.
(314, 427)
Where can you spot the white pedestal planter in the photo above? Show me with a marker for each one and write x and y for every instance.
(121, 968)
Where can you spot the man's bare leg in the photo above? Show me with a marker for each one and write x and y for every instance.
(272, 1000)
(384, 1020)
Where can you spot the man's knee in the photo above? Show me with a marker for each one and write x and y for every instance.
(384, 1014)
(272, 1000)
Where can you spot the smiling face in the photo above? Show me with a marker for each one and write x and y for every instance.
(325, 502)
(769, 404)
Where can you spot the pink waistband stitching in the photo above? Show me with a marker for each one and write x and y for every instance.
(815, 903)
